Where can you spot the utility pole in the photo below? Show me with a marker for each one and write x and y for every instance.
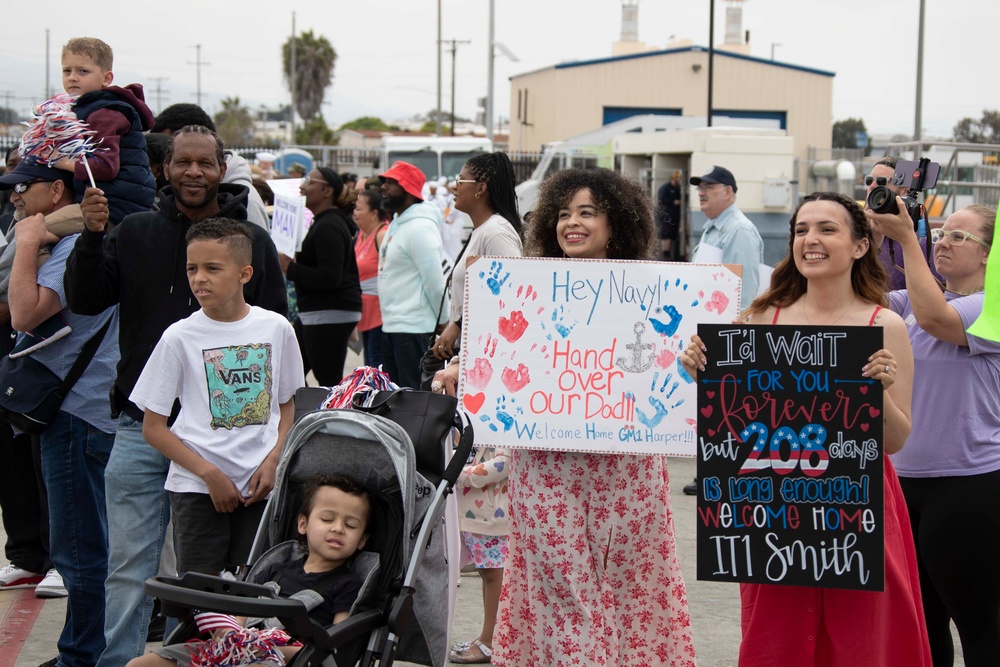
(711, 55)
(489, 77)
(292, 70)
(159, 92)
(48, 67)
(437, 112)
(918, 115)
(454, 49)
(198, 64)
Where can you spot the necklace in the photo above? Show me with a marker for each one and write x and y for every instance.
(965, 292)
(839, 317)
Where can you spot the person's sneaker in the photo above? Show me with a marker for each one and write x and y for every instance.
(692, 488)
(44, 334)
(50, 663)
(12, 576)
(51, 586)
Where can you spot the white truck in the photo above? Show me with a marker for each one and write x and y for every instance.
(435, 156)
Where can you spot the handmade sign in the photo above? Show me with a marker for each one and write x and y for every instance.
(581, 355)
(287, 223)
(790, 457)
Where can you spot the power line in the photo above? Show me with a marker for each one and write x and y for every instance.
(159, 91)
(198, 63)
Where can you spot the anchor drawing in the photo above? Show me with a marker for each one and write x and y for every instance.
(638, 364)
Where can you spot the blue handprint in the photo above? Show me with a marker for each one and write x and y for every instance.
(495, 282)
(660, 410)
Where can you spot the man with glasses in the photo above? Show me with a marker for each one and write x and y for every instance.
(74, 449)
(890, 254)
(730, 232)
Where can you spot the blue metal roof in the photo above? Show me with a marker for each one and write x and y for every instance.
(686, 49)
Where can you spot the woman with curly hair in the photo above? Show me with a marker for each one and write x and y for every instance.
(832, 276)
(592, 576)
(325, 273)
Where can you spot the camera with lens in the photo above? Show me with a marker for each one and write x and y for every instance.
(915, 176)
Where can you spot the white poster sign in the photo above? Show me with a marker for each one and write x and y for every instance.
(288, 223)
(582, 355)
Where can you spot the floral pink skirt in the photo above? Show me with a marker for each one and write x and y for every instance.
(488, 552)
(592, 576)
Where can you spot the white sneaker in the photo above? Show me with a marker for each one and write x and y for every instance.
(12, 576)
(51, 586)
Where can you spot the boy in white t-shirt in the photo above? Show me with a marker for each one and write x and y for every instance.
(235, 369)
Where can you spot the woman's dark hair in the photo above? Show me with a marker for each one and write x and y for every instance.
(343, 196)
(626, 203)
(374, 201)
(867, 275)
(496, 171)
(346, 484)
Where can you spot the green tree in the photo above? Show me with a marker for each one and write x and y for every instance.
(985, 130)
(845, 133)
(431, 126)
(314, 62)
(234, 123)
(315, 132)
(369, 123)
(9, 117)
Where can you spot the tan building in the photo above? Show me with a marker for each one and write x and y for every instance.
(568, 99)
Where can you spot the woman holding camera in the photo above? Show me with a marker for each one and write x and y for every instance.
(950, 468)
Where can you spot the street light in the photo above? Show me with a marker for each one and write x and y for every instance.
(493, 47)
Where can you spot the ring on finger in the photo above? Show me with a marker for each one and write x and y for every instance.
(887, 369)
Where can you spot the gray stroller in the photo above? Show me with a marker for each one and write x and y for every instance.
(401, 611)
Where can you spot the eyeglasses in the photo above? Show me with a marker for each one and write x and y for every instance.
(306, 180)
(21, 188)
(880, 180)
(955, 237)
(706, 187)
(459, 181)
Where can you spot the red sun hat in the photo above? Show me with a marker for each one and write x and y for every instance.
(408, 176)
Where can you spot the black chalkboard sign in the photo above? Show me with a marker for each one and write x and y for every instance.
(790, 486)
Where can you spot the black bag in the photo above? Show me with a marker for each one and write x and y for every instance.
(430, 364)
(426, 417)
(31, 394)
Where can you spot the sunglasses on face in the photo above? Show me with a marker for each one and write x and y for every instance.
(21, 188)
(880, 180)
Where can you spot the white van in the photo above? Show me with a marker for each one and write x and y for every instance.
(435, 156)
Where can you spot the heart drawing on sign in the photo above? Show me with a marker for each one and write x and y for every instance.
(874, 412)
(473, 402)
(710, 394)
(864, 427)
(863, 389)
(706, 411)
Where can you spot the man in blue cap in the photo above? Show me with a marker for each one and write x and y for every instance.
(732, 232)
(76, 445)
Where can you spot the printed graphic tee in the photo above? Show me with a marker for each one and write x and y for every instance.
(231, 378)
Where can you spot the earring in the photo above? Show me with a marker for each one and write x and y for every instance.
(477, 195)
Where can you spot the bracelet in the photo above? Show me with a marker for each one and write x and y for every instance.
(454, 360)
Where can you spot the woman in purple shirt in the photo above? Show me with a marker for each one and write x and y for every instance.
(950, 467)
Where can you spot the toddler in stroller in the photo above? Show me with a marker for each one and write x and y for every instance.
(401, 610)
(333, 524)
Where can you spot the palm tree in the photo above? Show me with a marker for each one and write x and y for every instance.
(314, 61)
(234, 122)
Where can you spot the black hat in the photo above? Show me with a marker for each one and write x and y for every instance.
(717, 175)
(30, 169)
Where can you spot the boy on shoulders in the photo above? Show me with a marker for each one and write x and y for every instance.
(235, 369)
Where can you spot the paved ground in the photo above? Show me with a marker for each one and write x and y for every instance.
(30, 627)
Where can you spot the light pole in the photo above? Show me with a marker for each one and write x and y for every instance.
(437, 113)
(773, 45)
(493, 46)
(711, 55)
(917, 120)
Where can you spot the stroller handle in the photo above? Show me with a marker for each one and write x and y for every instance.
(461, 453)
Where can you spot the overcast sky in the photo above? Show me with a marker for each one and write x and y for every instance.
(386, 62)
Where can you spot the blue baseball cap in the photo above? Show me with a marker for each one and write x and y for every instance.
(30, 169)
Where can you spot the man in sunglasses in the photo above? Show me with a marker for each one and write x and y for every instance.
(75, 446)
(890, 252)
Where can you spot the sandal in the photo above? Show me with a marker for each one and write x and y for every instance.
(466, 657)
(462, 647)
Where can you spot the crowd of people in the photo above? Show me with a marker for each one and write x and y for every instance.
(163, 275)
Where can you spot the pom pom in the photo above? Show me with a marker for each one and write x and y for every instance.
(244, 646)
(364, 379)
(55, 132)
